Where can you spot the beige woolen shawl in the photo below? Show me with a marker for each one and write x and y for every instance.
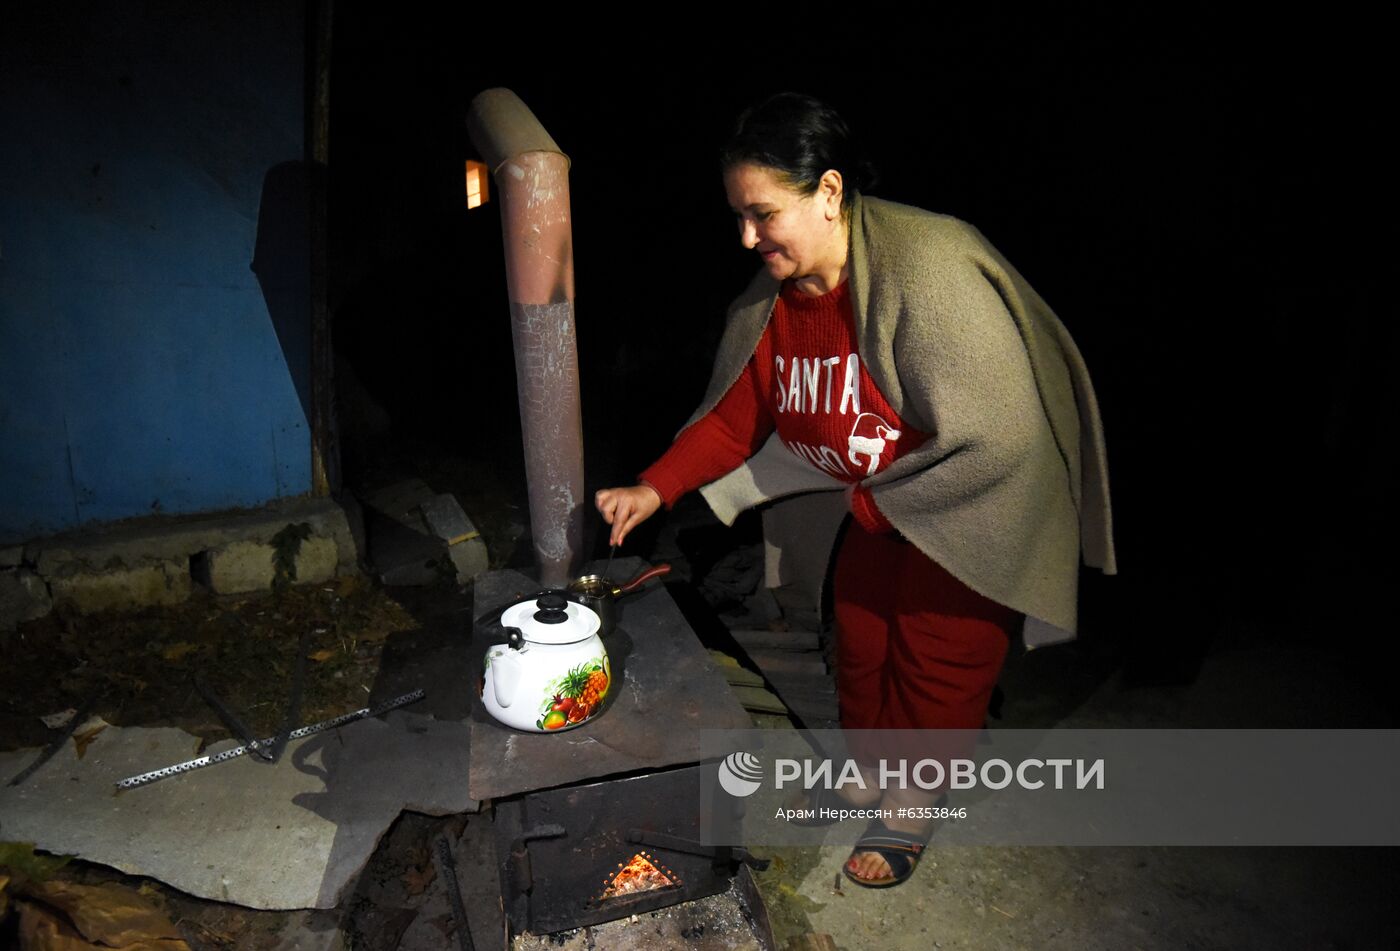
(1013, 480)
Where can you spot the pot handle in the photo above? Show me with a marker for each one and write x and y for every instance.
(641, 579)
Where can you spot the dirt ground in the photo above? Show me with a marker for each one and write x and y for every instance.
(137, 669)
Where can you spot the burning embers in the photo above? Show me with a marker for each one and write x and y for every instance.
(582, 855)
(642, 874)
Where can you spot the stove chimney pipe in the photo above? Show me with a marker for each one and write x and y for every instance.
(532, 184)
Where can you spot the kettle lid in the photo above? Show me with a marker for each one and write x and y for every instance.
(551, 619)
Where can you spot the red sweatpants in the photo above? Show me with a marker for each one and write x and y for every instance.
(916, 648)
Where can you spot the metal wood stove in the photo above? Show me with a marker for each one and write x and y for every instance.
(603, 821)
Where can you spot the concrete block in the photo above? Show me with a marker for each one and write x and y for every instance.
(413, 531)
(402, 549)
(243, 567)
(447, 520)
(469, 558)
(405, 568)
(400, 498)
(123, 589)
(359, 541)
(151, 541)
(317, 560)
(23, 597)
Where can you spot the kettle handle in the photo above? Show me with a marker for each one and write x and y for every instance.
(504, 674)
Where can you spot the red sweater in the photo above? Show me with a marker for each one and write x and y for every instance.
(804, 380)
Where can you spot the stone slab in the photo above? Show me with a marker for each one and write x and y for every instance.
(668, 702)
(23, 597)
(159, 540)
(284, 836)
(123, 588)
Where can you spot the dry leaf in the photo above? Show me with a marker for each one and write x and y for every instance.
(112, 915)
(40, 929)
(223, 937)
(84, 739)
(176, 651)
(417, 880)
(324, 654)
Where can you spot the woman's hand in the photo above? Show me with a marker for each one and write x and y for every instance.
(626, 508)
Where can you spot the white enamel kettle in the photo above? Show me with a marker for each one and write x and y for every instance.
(552, 673)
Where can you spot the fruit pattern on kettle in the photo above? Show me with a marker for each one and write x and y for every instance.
(577, 695)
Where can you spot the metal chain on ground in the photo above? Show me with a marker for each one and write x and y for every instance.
(203, 761)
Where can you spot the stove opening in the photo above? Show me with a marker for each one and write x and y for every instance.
(642, 874)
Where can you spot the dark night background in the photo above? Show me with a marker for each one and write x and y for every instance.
(1197, 201)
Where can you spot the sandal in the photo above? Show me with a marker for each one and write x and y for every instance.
(900, 850)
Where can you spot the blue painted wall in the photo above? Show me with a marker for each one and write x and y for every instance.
(140, 367)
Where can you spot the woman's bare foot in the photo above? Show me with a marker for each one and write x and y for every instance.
(915, 821)
(871, 865)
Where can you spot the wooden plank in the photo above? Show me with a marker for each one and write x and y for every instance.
(806, 691)
(827, 706)
(808, 703)
(816, 718)
(733, 673)
(780, 640)
(828, 709)
(788, 662)
(742, 677)
(758, 699)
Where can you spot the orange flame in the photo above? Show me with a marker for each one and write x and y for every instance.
(639, 875)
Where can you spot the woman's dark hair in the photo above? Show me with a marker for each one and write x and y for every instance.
(800, 138)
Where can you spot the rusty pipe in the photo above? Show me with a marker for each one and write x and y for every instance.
(531, 180)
